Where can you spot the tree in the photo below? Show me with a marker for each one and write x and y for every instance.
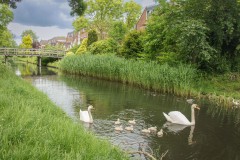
(117, 31)
(78, 7)
(26, 42)
(6, 39)
(80, 23)
(103, 12)
(92, 37)
(6, 16)
(83, 47)
(31, 33)
(132, 11)
(132, 45)
(11, 3)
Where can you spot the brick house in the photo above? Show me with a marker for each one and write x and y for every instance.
(57, 41)
(142, 22)
(75, 38)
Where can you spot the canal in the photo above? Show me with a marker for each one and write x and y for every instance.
(215, 136)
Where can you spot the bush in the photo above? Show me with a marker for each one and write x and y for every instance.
(69, 53)
(74, 48)
(103, 46)
(132, 45)
(92, 37)
(83, 47)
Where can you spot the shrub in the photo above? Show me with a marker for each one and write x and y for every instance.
(132, 45)
(103, 46)
(92, 37)
(83, 47)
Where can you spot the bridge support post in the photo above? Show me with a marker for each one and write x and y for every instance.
(39, 61)
(5, 59)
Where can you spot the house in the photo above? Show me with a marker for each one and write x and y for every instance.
(57, 41)
(43, 43)
(75, 38)
(142, 22)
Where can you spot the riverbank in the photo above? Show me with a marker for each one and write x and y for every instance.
(180, 80)
(32, 127)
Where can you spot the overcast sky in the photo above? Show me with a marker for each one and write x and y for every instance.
(47, 18)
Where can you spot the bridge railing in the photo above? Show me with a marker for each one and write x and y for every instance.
(32, 52)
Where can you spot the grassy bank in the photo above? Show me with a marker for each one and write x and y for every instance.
(32, 127)
(149, 75)
(179, 80)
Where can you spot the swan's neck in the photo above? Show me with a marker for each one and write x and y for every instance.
(90, 115)
(192, 116)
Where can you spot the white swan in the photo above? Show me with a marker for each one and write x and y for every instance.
(236, 103)
(160, 133)
(86, 116)
(178, 118)
(146, 131)
(117, 122)
(132, 121)
(153, 129)
(120, 128)
(129, 128)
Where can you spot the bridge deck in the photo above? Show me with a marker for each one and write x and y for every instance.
(31, 52)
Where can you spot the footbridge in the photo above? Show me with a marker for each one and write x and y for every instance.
(39, 53)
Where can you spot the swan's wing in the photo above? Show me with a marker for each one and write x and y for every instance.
(178, 118)
(84, 116)
(167, 117)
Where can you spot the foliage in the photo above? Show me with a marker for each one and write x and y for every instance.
(102, 13)
(33, 128)
(132, 45)
(31, 33)
(132, 11)
(26, 42)
(69, 53)
(6, 39)
(6, 16)
(80, 23)
(11, 3)
(103, 46)
(74, 48)
(83, 47)
(202, 33)
(56, 47)
(179, 79)
(117, 31)
(78, 7)
(92, 37)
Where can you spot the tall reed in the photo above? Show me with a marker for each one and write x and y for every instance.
(150, 75)
(32, 127)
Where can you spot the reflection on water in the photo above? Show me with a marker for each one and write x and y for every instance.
(216, 134)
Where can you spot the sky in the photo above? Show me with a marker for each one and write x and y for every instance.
(47, 18)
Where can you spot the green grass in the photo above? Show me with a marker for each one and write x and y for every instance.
(32, 127)
(150, 75)
(180, 80)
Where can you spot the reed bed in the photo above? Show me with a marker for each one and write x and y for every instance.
(150, 75)
(32, 127)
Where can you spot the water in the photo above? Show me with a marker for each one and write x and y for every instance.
(215, 136)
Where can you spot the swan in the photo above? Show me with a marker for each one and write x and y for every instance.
(117, 122)
(146, 131)
(153, 129)
(178, 118)
(160, 133)
(132, 121)
(120, 128)
(236, 103)
(86, 116)
(129, 128)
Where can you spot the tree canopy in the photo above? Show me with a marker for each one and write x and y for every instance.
(78, 7)
(31, 33)
(10, 3)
